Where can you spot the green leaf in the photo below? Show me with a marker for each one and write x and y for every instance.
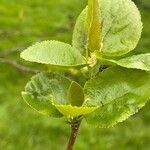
(121, 27)
(94, 25)
(75, 94)
(119, 92)
(54, 53)
(141, 61)
(42, 105)
(79, 39)
(44, 89)
(74, 111)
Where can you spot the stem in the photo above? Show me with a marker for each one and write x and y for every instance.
(10, 51)
(18, 66)
(74, 132)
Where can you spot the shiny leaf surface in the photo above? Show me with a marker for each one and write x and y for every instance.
(119, 92)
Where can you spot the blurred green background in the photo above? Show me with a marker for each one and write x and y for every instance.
(23, 22)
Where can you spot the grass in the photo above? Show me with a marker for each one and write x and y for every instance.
(23, 23)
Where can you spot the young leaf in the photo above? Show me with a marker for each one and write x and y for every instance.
(54, 53)
(75, 94)
(44, 89)
(74, 111)
(121, 27)
(120, 92)
(141, 61)
(94, 25)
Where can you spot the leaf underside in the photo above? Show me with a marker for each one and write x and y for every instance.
(119, 92)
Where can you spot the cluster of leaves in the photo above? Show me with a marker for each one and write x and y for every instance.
(115, 86)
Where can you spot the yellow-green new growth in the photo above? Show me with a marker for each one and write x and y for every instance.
(93, 25)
